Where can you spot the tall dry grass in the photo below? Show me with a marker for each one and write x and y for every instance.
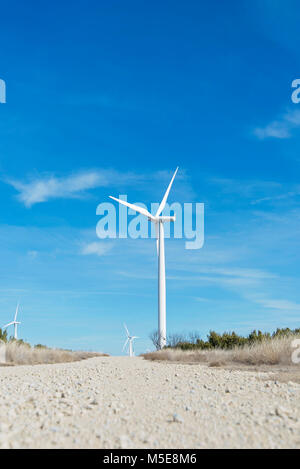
(20, 354)
(276, 351)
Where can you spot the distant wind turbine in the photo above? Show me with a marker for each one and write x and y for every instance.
(129, 341)
(14, 323)
(159, 227)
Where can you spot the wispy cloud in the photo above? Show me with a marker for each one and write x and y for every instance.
(223, 277)
(97, 248)
(42, 188)
(282, 305)
(284, 196)
(258, 190)
(217, 280)
(275, 129)
(280, 128)
(245, 188)
(45, 187)
(32, 254)
(242, 273)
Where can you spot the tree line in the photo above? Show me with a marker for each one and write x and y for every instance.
(227, 340)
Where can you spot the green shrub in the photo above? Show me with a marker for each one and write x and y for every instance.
(3, 335)
(227, 340)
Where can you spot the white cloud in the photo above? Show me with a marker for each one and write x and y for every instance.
(275, 130)
(43, 188)
(246, 188)
(223, 277)
(282, 305)
(202, 300)
(229, 282)
(293, 117)
(241, 273)
(260, 191)
(32, 254)
(97, 248)
(287, 195)
(280, 128)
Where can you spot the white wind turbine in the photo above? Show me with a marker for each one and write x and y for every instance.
(129, 340)
(14, 323)
(159, 227)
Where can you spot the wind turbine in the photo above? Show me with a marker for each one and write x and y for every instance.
(159, 227)
(129, 340)
(14, 323)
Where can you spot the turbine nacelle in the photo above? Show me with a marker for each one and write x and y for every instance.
(165, 219)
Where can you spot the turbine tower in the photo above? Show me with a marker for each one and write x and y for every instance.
(159, 221)
(129, 340)
(14, 323)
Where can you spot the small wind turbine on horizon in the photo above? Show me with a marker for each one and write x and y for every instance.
(159, 221)
(129, 341)
(14, 323)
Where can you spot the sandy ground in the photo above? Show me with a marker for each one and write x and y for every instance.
(121, 402)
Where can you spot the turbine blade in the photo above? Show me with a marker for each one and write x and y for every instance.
(164, 200)
(124, 346)
(127, 331)
(9, 324)
(141, 210)
(16, 312)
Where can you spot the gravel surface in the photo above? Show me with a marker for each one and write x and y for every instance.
(121, 402)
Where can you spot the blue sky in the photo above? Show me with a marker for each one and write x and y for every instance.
(107, 98)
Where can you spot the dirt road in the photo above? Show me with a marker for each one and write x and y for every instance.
(120, 402)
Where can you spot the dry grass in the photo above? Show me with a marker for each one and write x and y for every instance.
(268, 352)
(19, 354)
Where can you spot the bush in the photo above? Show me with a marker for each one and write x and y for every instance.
(3, 335)
(227, 340)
